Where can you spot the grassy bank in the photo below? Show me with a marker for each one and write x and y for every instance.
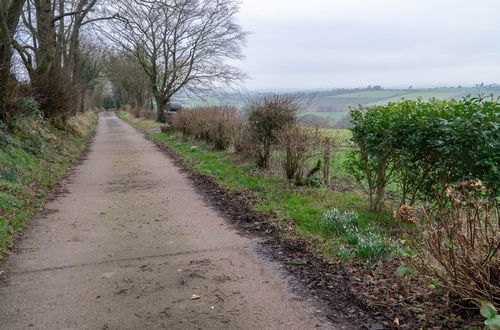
(300, 208)
(33, 158)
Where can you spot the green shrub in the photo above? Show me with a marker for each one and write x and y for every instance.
(6, 139)
(9, 174)
(109, 102)
(423, 146)
(490, 313)
(371, 245)
(29, 106)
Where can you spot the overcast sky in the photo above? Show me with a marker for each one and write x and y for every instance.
(352, 43)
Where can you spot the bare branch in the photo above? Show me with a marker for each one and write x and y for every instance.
(100, 19)
(59, 17)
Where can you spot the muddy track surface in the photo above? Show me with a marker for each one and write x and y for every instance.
(129, 244)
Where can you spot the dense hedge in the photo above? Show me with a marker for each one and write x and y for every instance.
(423, 146)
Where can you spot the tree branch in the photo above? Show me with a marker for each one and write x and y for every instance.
(101, 19)
(59, 17)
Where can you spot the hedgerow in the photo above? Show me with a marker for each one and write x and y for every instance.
(424, 146)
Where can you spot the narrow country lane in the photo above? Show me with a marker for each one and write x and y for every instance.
(127, 245)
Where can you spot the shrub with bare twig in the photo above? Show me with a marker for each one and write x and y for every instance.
(219, 125)
(267, 116)
(458, 242)
(299, 144)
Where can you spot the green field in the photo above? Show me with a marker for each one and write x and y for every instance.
(335, 115)
(376, 94)
(445, 94)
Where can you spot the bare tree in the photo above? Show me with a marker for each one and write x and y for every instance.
(180, 44)
(51, 33)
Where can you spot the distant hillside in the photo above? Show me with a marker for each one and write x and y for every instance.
(330, 107)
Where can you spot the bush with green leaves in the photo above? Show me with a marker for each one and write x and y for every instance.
(6, 139)
(423, 146)
(489, 312)
(109, 102)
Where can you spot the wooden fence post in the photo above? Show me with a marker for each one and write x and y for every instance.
(326, 160)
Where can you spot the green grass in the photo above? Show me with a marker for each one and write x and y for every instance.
(302, 206)
(27, 171)
(341, 138)
(147, 124)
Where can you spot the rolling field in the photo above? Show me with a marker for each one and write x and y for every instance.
(375, 94)
(338, 105)
(335, 115)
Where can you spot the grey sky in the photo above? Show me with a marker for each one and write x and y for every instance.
(352, 43)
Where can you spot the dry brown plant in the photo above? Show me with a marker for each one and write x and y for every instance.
(219, 125)
(299, 144)
(267, 116)
(458, 242)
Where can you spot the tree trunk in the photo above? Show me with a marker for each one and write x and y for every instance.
(264, 156)
(161, 102)
(46, 37)
(9, 19)
(380, 186)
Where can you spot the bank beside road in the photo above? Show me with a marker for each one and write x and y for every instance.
(34, 156)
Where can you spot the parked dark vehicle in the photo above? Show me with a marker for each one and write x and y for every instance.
(170, 110)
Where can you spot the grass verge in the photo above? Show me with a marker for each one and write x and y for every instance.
(302, 208)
